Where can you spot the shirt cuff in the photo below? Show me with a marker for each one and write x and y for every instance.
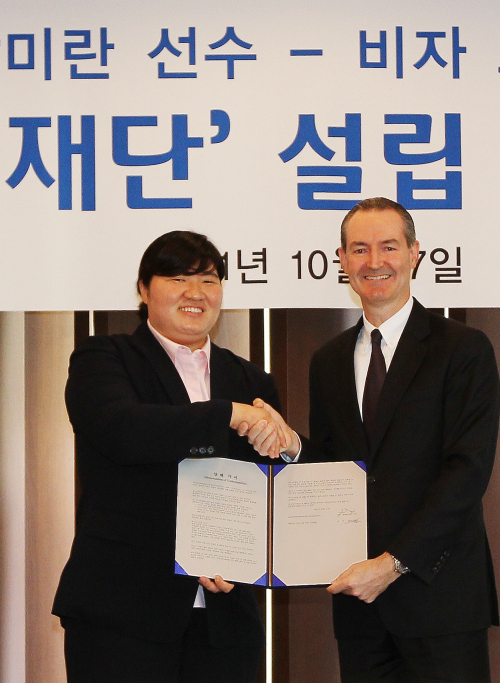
(287, 458)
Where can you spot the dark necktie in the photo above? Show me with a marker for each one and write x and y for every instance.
(373, 385)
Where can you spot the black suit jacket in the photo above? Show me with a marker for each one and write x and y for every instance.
(133, 422)
(428, 468)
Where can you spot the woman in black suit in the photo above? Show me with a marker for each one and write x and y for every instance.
(138, 404)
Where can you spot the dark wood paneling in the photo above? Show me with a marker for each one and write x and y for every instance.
(81, 326)
(101, 322)
(257, 336)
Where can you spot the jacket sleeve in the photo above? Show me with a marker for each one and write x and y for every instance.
(469, 428)
(106, 409)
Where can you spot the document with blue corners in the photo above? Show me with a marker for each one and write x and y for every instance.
(282, 525)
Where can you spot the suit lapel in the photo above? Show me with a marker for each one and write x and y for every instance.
(161, 364)
(223, 383)
(228, 377)
(410, 353)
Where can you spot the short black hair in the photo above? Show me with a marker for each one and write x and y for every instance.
(380, 204)
(180, 252)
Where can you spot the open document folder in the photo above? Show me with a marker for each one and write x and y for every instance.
(279, 525)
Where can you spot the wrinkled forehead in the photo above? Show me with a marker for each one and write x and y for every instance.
(373, 225)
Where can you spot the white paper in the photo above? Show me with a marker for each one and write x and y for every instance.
(222, 519)
(319, 521)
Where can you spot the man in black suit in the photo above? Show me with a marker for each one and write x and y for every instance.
(138, 404)
(417, 611)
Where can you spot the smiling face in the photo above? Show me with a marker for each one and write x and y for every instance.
(379, 262)
(183, 308)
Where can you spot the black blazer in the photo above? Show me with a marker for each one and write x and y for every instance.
(133, 422)
(428, 468)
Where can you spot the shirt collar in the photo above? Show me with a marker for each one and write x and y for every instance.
(172, 348)
(392, 329)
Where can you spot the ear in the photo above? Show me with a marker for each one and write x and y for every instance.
(144, 291)
(414, 253)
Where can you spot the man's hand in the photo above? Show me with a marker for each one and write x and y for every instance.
(261, 436)
(366, 580)
(259, 418)
(218, 585)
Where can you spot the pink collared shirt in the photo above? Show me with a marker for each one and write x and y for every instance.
(192, 366)
(194, 370)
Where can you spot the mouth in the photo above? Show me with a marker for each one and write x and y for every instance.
(377, 277)
(191, 309)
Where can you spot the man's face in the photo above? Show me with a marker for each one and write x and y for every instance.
(378, 260)
(184, 308)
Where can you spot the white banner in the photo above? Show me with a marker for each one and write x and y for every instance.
(258, 123)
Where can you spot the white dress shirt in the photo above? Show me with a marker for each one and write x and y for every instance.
(391, 331)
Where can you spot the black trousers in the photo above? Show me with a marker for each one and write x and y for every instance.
(97, 655)
(377, 655)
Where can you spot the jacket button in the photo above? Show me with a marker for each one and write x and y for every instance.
(370, 479)
(193, 450)
(202, 450)
(210, 450)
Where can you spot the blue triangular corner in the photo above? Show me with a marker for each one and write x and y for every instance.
(264, 468)
(277, 583)
(361, 463)
(262, 581)
(278, 468)
(179, 570)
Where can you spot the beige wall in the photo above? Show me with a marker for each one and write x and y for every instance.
(49, 487)
(37, 492)
(12, 512)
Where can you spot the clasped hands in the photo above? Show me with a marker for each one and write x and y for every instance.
(264, 428)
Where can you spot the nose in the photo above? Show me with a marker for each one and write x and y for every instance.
(374, 261)
(193, 290)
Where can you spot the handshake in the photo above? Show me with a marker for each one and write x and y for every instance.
(270, 435)
(265, 429)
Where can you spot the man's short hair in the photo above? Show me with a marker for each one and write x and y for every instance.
(380, 204)
(180, 252)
